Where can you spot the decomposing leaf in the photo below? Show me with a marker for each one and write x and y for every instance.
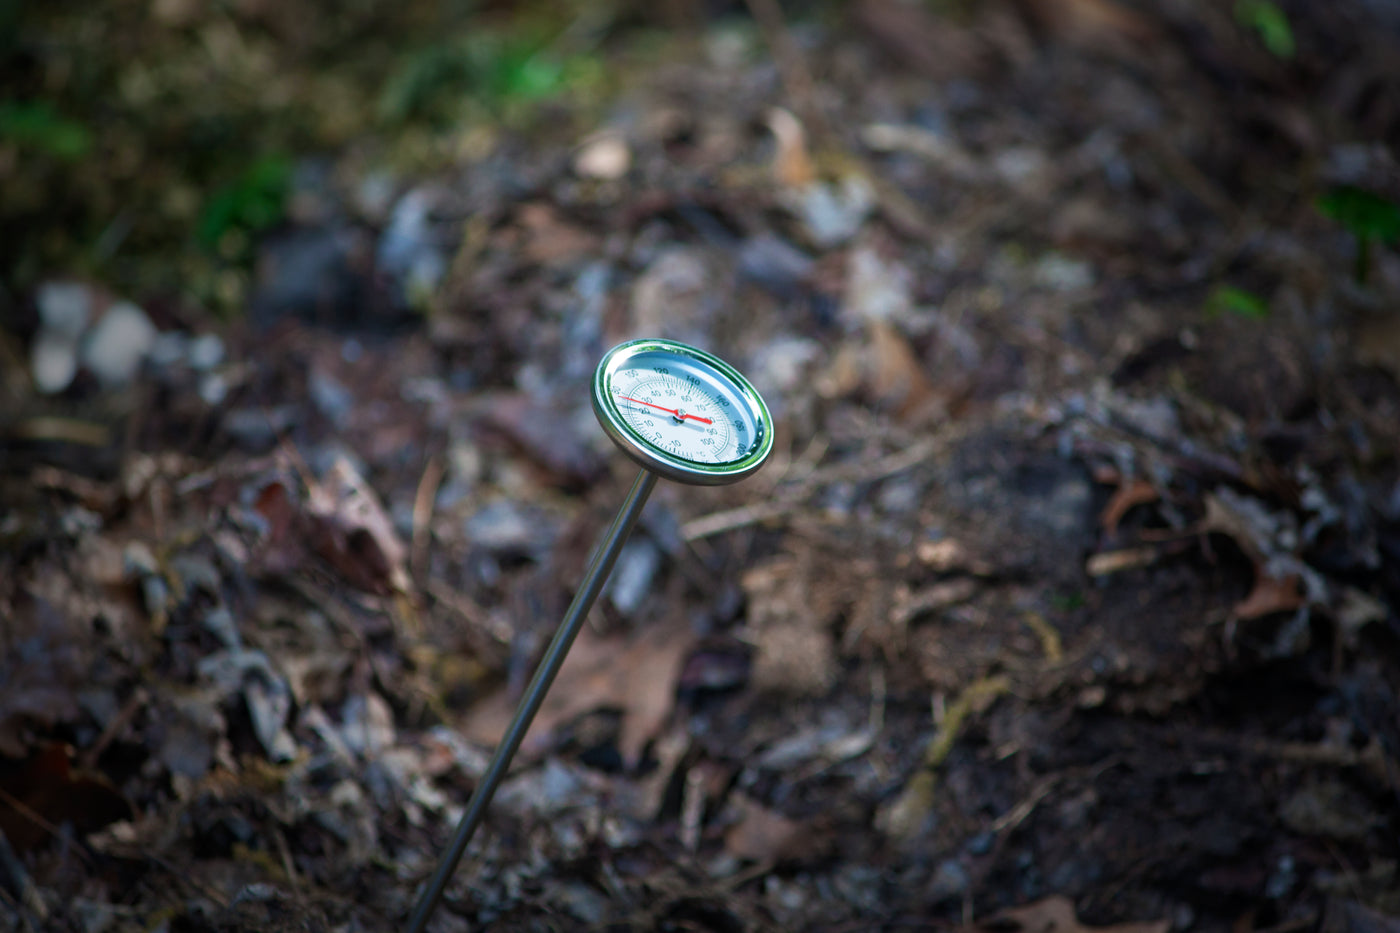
(601, 673)
(1270, 595)
(549, 239)
(1355, 610)
(764, 835)
(1282, 582)
(896, 377)
(265, 694)
(44, 661)
(545, 435)
(882, 367)
(281, 549)
(1245, 521)
(44, 792)
(1055, 914)
(1131, 491)
(350, 529)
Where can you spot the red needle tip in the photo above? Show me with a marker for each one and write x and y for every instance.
(669, 411)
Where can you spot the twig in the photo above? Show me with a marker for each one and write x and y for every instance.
(423, 515)
(1024, 808)
(114, 728)
(479, 618)
(755, 513)
(33, 816)
(284, 852)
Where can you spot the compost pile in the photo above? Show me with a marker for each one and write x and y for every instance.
(1070, 598)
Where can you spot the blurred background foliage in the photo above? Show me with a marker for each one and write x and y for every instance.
(144, 142)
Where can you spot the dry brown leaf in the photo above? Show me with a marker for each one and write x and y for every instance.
(1055, 914)
(1270, 595)
(45, 791)
(1130, 492)
(763, 835)
(549, 239)
(895, 377)
(281, 549)
(351, 530)
(1231, 518)
(638, 678)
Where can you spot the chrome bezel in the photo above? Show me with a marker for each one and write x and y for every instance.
(661, 461)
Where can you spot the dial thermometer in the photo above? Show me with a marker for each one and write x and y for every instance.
(681, 414)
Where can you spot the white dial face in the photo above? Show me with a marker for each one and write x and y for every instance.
(681, 412)
(675, 406)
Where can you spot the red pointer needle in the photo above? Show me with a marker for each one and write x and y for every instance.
(669, 411)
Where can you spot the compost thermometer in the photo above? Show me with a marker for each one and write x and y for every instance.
(680, 413)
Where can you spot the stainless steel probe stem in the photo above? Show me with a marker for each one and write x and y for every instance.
(589, 588)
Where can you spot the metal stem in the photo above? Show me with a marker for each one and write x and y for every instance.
(589, 588)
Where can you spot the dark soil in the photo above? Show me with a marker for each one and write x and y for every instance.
(1070, 598)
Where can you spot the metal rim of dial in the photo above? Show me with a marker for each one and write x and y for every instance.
(716, 375)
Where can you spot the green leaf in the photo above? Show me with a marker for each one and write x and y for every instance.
(1367, 216)
(37, 126)
(255, 201)
(1227, 299)
(1271, 25)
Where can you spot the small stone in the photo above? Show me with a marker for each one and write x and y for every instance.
(632, 578)
(1063, 274)
(53, 361)
(205, 352)
(256, 429)
(981, 843)
(117, 344)
(64, 307)
(877, 290)
(170, 348)
(409, 251)
(92, 916)
(213, 389)
(950, 879)
(604, 156)
(582, 902)
(367, 724)
(832, 215)
(220, 623)
(374, 196)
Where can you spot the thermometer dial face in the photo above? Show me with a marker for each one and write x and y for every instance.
(681, 412)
